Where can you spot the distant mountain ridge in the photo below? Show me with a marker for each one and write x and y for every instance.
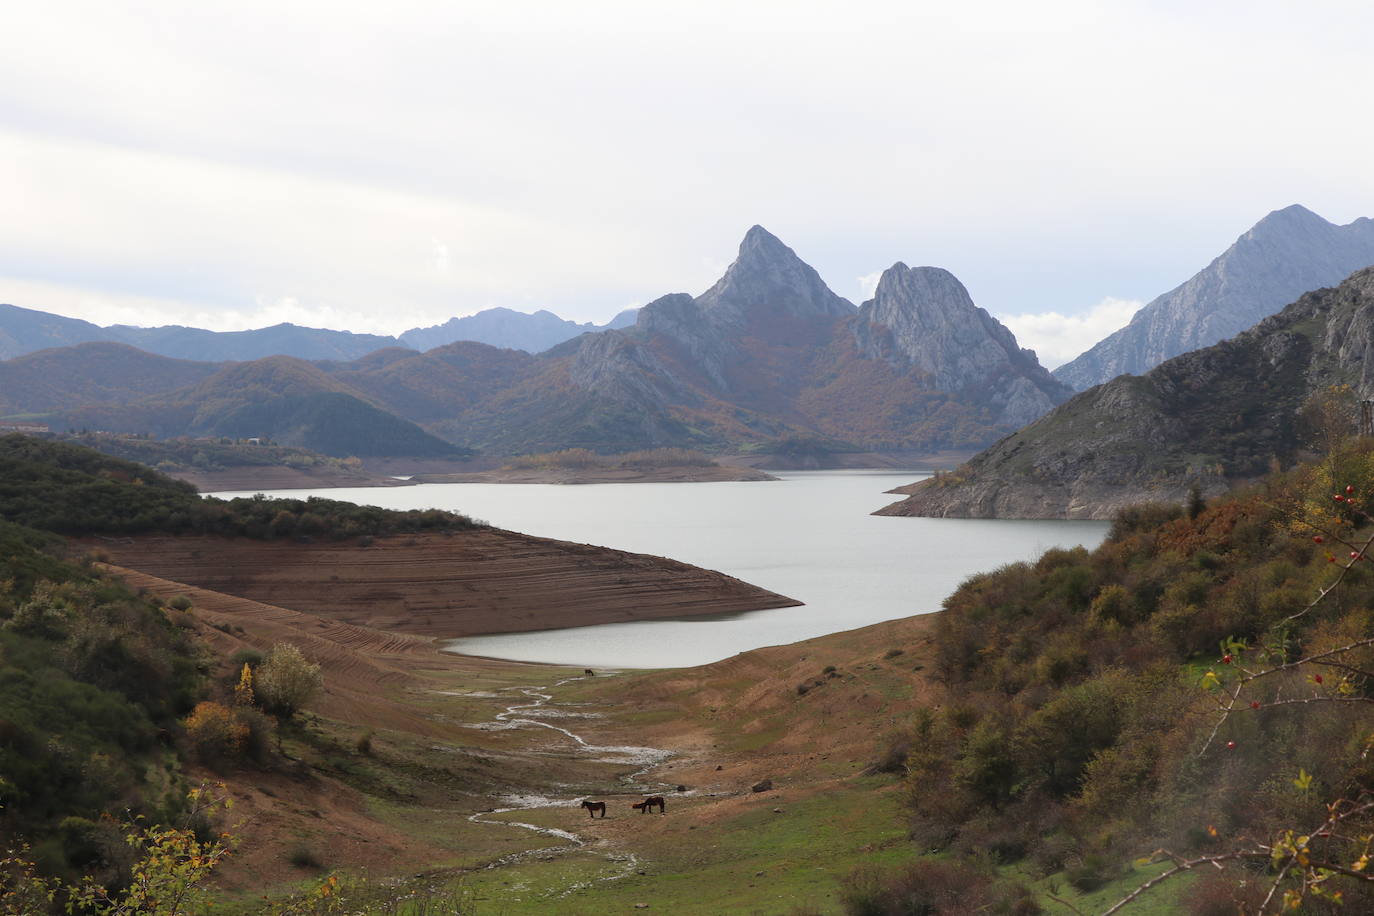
(1205, 419)
(1284, 255)
(503, 327)
(24, 331)
(768, 354)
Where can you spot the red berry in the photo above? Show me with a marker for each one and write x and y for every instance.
(1254, 704)
(1338, 498)
(1317, 678)
(1226, 659)
(1231, 745)
(1330, 559)
(1354, 554)
(1349, 488)
(1317, 539)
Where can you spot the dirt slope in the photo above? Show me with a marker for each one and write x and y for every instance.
(482, 581)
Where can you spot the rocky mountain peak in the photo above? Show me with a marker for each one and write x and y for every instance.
(1292, 216)
(924, 318)
(921, 288)
(767, 278)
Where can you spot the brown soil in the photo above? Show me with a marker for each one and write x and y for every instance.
(367, 672)
(835, 729)
(481, 581)
(731, 723)
(282, 478)
(603, 475)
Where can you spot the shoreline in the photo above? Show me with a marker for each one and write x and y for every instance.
(575, 476)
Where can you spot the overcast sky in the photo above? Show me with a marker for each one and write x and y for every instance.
(376, 167)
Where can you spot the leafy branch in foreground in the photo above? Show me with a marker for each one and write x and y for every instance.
(1303, 865)
(168, 879)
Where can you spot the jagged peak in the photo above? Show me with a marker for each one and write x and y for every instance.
(770, 274)
(760, 245)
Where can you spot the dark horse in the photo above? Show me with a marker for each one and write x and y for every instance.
(650, 802)
(593, 807)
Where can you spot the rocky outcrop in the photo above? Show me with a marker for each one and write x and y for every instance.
(767, 281)
(923, 317)
(1286, 254)
(1206, 419)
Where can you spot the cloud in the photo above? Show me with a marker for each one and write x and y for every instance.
(187, 152)
(1058, 338)
(868, 285)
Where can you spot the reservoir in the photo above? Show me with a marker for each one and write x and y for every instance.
(808, 536)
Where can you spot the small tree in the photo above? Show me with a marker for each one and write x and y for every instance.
(243, 691)
(286, 680)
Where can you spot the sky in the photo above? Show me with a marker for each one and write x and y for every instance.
(377, 167)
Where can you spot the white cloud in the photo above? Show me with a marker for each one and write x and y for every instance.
(868, 285)
(1057, 338)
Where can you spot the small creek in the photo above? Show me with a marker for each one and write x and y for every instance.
(518, 715)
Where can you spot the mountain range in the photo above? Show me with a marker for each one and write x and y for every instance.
(766, 358)
(768, 353)
(1284, 255)
(24, 331)
(1206, 419)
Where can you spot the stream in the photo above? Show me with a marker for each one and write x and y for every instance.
(518, 715)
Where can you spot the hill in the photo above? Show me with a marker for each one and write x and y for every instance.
(1206, 419)
(91, 373)
(1284, 255)
(280, 398)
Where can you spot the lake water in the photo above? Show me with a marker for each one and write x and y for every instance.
(808, 536)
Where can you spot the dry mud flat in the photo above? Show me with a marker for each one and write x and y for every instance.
(460, 584)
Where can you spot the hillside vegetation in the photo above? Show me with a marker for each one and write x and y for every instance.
(1183, 687)
(77, 491)
(93, 679)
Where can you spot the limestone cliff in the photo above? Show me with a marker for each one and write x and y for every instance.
(923, 317)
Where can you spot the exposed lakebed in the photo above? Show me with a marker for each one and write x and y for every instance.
(808, 536)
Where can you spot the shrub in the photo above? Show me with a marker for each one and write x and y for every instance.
(303, 856)
(286, 680)
(215, 732)
(928, 887)
(180, 603)
(892, 759)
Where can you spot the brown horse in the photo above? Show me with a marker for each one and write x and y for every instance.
(653, 800)
(593, 807)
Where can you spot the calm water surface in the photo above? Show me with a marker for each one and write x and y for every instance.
(808, 536)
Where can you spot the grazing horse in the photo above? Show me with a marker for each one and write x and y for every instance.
(593, 807)
(644, 806)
